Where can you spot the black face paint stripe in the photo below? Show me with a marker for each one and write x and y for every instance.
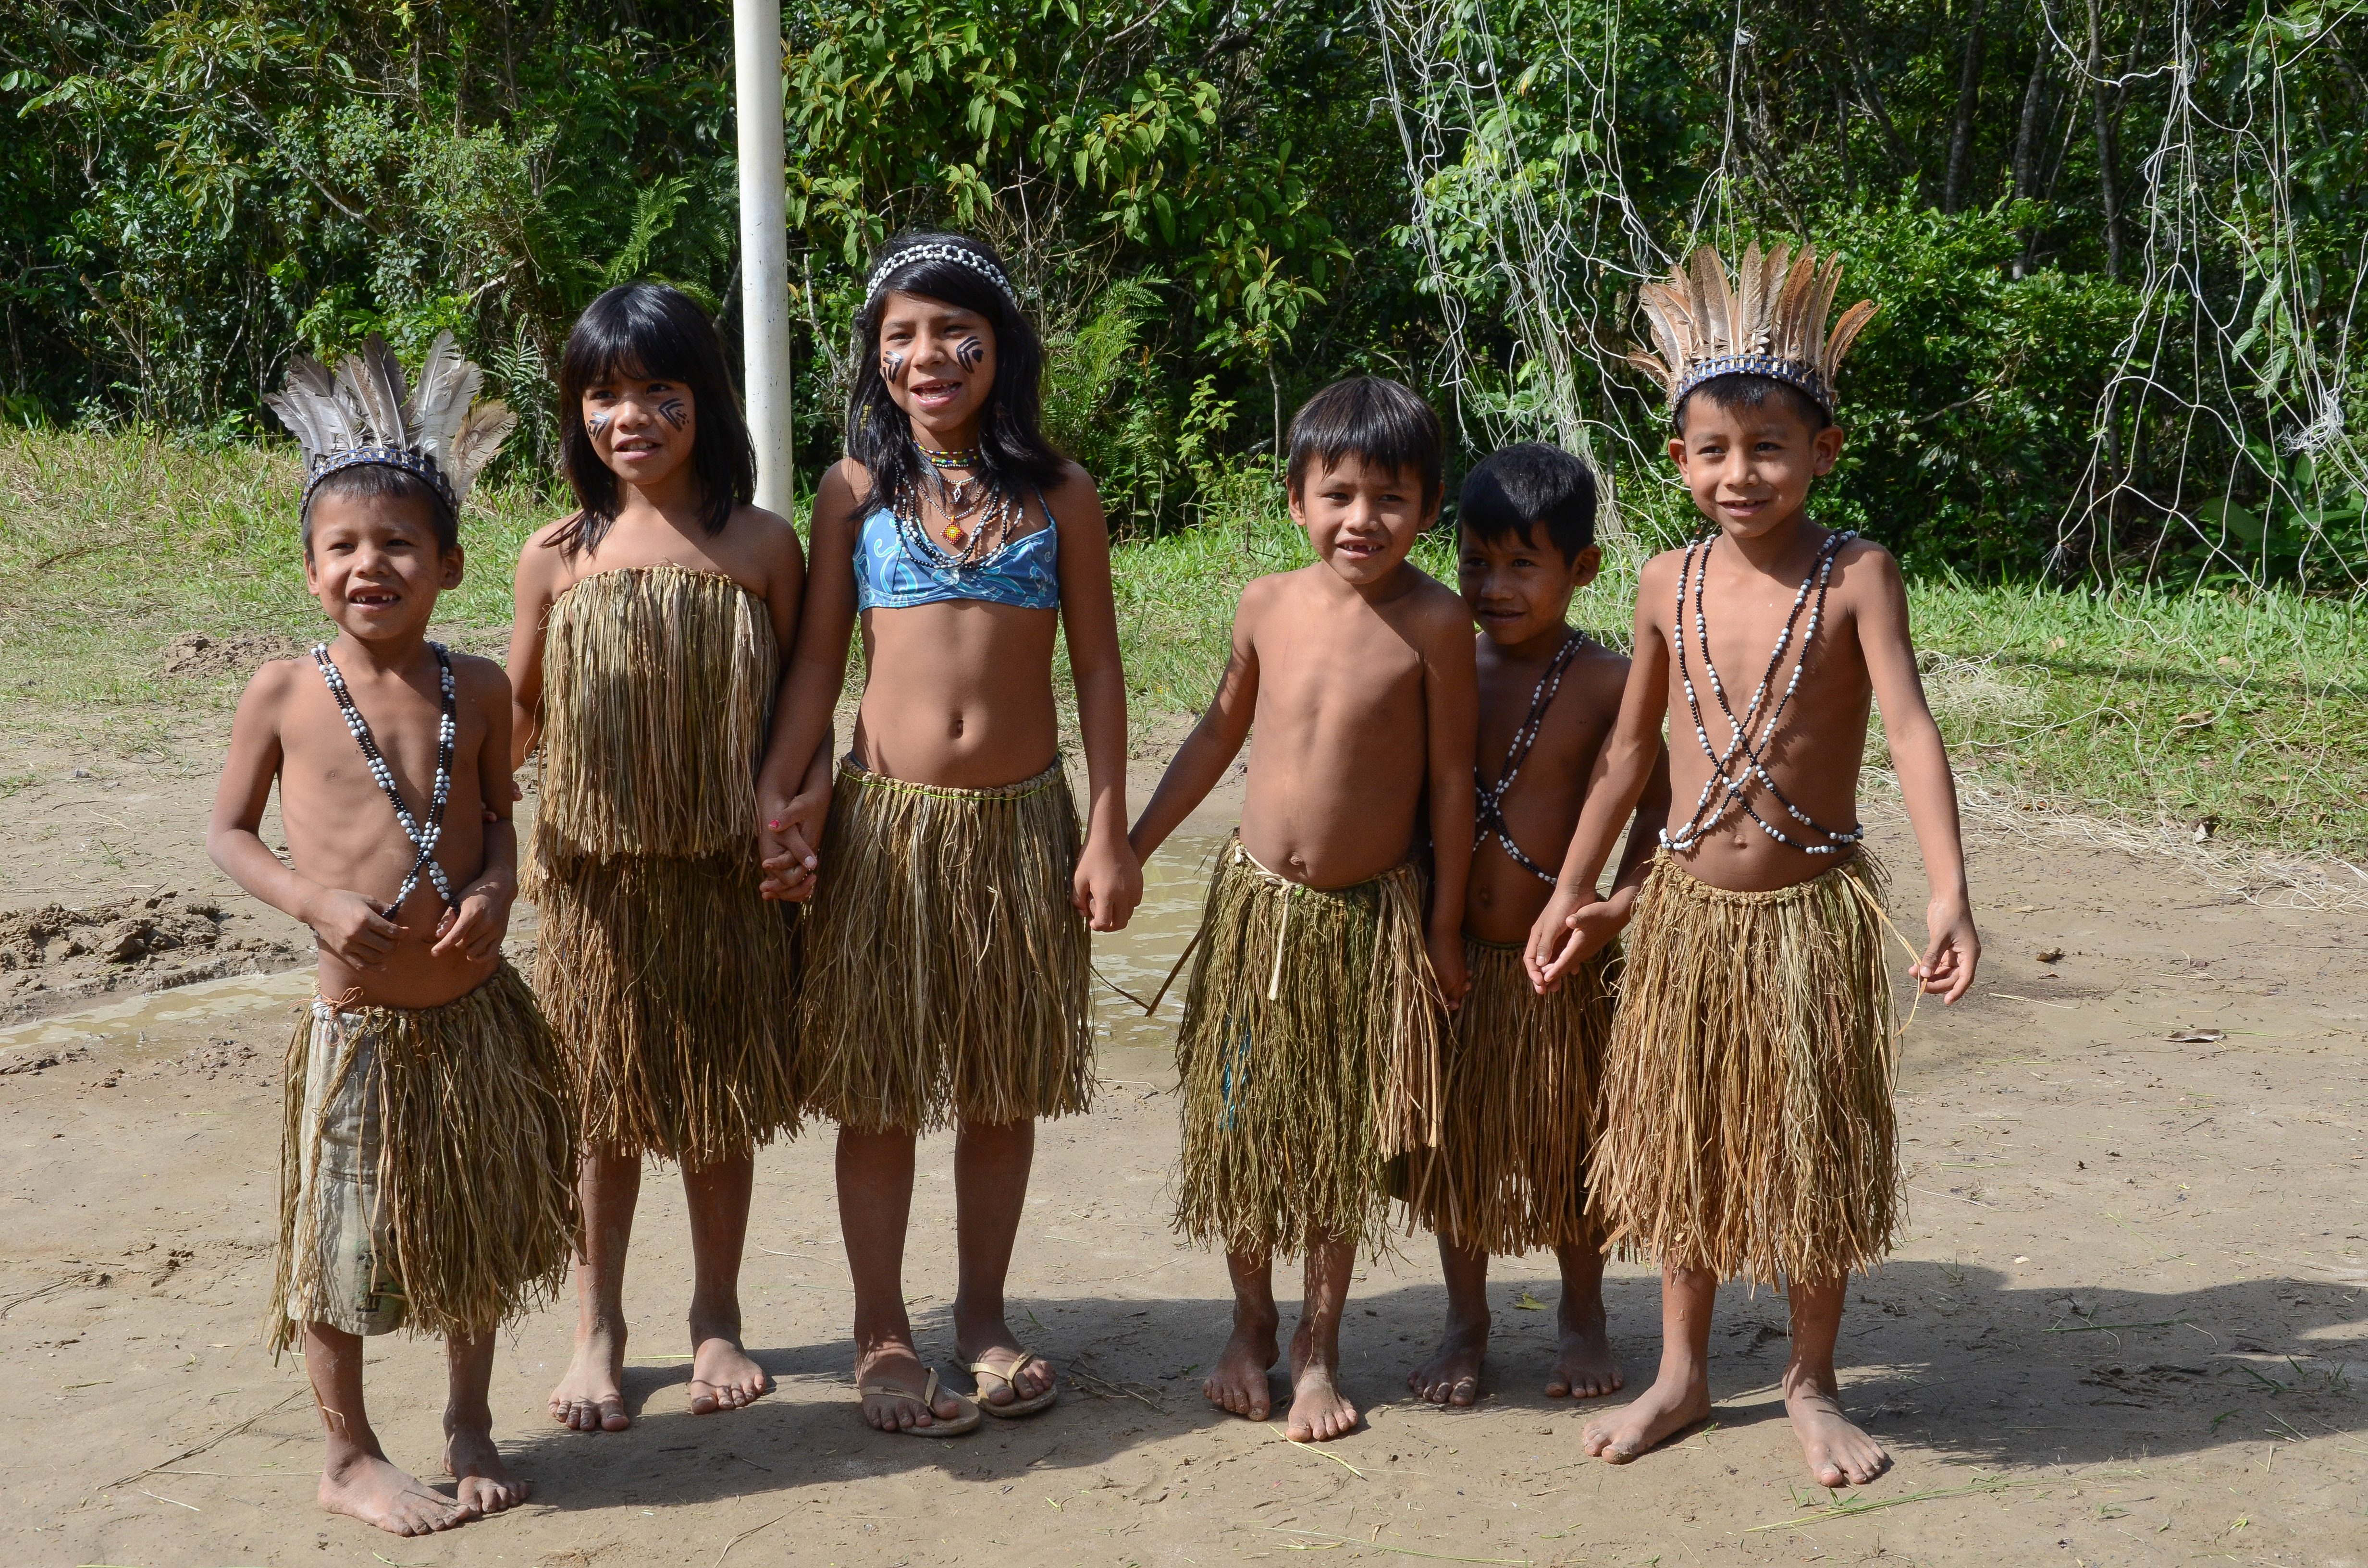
(891, 364)
(969, 352)
(674, 411)
(599, 422)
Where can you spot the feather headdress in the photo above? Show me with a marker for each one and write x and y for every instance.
(1771, 322)
(364, 414)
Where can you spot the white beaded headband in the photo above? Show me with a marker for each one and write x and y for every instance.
(939, 250)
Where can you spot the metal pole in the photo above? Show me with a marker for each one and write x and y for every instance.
(764, 245)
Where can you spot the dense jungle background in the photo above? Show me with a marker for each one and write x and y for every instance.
(2119, 243)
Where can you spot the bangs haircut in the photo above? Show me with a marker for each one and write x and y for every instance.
(1526, 487)
(1744, 393)
(383, 482)
(1014, 456)
(649, 332)
(1374, 419)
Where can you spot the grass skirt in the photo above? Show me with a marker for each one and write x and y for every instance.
(669, 981)
(1309, 1054)
(1750, 1130)
(945, 974)
(1523, 1072)
(463, 1114)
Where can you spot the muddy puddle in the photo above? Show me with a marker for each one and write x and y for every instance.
(1137, 959)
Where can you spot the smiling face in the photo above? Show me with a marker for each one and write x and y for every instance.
(1750, 469)
(643, 427)
(374, 565)
(938, 361)
(1518, 588)
(1362, 519)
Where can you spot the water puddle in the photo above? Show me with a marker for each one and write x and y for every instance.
(1175, 885)
(126, 1022)
(1139, 958)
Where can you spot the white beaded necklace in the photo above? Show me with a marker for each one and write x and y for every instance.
(1725, 785)
(447, 732)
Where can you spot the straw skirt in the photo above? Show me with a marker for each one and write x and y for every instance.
(1524, 1073)
(1748, 1127)
(1309, 1054)
(945, 975)
(427, 1167)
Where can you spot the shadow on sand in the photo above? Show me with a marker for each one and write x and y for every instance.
(1953, 1359)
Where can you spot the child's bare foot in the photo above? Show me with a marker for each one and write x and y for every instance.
(368, 1488)
(591, 1397)
(1451, 1376)
(1584, 1365)
(1838, 1451)
(486, 1484)
(1662, 1412)
(723, 1377)
(1238, 1382)
(1319, 1411)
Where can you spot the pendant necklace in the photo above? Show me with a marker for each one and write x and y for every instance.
(958, 501)
(446, 731)
(1744, 759)
(1489, 816)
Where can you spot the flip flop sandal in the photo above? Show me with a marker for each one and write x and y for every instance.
(940, 1425)
(1008, 1377)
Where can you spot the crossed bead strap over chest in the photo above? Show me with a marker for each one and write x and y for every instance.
(1732, 770)
(1489, 814)
(447, 733)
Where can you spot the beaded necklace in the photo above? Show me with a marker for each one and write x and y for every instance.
(1728, 787)
(1489, 815)
(958, 501)
(446, 731)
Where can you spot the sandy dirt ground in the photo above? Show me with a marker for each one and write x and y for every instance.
(2126, 1326)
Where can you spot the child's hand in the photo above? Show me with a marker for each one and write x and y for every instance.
(1947, 967)
(1108, 883)
(351, 930)
(786, 844)
(1447, 962)
(1572, 927)
(477, 925)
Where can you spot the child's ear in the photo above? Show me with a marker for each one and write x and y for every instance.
(1678, 454)
(1585, 567)
(1827, 447)
(1298, 503)
(454, 561)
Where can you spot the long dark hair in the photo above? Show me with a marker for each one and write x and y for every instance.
(649, 332)
(1014, 455)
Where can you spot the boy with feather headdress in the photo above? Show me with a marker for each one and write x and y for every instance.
(428, 1156)
(1751, 1128)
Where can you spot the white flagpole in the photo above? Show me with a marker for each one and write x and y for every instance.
(764, 245)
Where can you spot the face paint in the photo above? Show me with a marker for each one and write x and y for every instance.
(969, 352)
(597, 425)
(892, 365)
(675, 412)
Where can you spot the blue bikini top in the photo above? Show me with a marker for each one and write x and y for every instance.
(890, 575)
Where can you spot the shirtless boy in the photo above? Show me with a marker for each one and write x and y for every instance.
(1753, 1051)
(1313, 1029)
(1525, 1067)
(427, 1177)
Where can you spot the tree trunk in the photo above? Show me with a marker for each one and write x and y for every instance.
(1961, 128)
(2100, 99)
(2027, 129)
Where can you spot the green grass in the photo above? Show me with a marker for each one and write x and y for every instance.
(2155, 708)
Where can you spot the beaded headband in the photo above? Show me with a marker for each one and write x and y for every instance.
(938, 250)
(365, 415)
(1771, 322)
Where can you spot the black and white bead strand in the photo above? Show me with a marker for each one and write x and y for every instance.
(1489, 817)
(447, 735)
(1729, 787)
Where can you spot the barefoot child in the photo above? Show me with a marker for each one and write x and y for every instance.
(1313, 1024)
(428, 1159)
(646, 661)
(1523, 1071)
(945, 972)
(1751, 1127)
